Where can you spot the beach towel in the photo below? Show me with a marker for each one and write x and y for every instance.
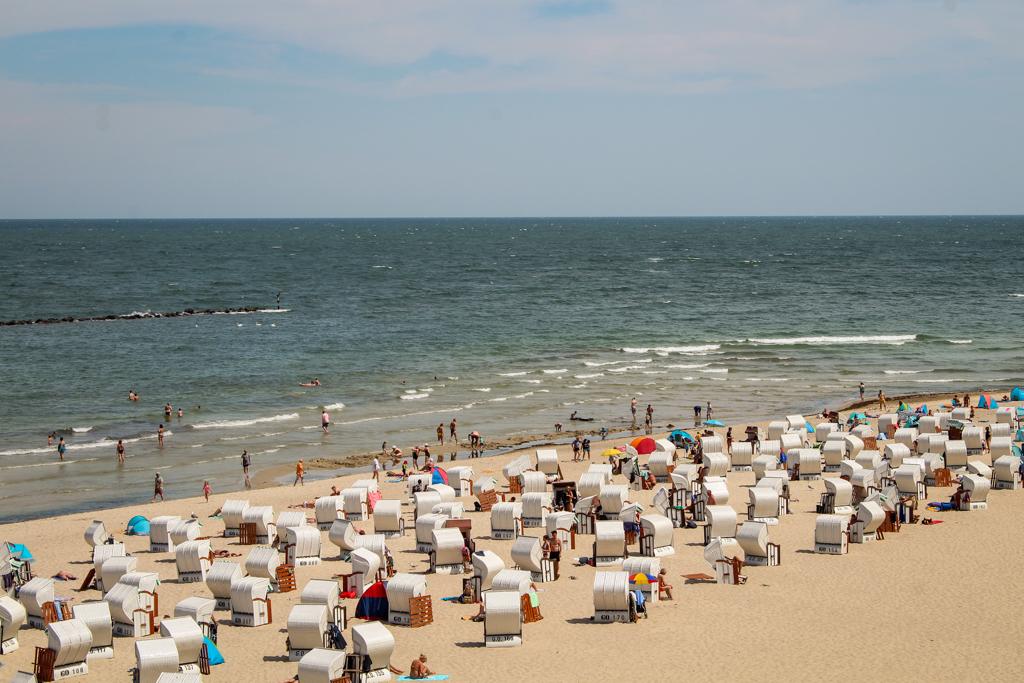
(372, 498)
(215, 656)
(534, 599)
(940, 506)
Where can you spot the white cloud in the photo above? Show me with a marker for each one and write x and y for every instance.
(652, 45)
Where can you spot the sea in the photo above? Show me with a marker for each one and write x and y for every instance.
(507, 325)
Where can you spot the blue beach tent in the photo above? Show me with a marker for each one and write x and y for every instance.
(1017, 394)
(810, 429)
(138, 526)
(21, 551)
(215, 656)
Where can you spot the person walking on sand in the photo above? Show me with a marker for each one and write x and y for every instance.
(453, 433)
(881, 400)
(207, 490)
(325, 420)
(376, 469)
(576, 446)
(245, 468)
(160, 435)
(120, 452)
(300, 472)
(62, 448)
(440, 433)
(586, 447)
(158, 488)
(862, 391)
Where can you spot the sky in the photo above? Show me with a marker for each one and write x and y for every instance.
(263, 108)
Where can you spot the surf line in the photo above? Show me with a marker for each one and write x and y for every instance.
(144, 315)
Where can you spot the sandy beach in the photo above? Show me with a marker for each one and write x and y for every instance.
(925, 603)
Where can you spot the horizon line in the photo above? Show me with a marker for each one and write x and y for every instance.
(517, 217)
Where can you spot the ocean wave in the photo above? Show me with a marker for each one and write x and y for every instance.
(601, 364)
(483, 389)
(892, 339)
(665, 350)
(578, 386)
(767, 379)
(499, 399)
(960, 341)
(511, 374)
(687, 366)
(530, 381)
(902, 372)
(716, 370)
(1018, 296)
(937, 381)
(335, 406)
(88, 445)
(555, 372)
(626, 368)
(590, 375)
(414, 396)
(81, 430)
(229, 424)
(258, 310)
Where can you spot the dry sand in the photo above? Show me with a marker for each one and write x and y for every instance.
(928, 603)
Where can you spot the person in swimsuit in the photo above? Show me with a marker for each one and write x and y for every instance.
(300, 473)
(453, 433)
(160, 435)
(62, 448)
(325, 420)
(120, 452)
(207, 490)
(440, 434)
(245, 469)
(419, 669)
(158, 488)
(167, 410)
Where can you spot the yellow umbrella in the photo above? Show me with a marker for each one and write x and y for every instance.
(611, 453)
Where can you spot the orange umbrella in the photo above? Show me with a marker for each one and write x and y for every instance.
(644, 445)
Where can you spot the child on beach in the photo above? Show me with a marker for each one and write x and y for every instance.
(207, 491)
(300, 472)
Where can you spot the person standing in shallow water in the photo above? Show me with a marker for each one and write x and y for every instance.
(245, 469)
(862, 391)
(120, 452)
(160, 435)
(62, 448)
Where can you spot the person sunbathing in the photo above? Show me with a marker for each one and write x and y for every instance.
(64, 575)
(419, 669)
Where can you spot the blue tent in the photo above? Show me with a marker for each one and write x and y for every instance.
(680, 434)
(810, 429)
(1017, 394)
(439, 476)
(985, 401)
(138, 526)
(215, 656)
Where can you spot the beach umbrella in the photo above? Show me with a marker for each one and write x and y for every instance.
(439, 477)
(642, 579)
(373, 605)
(611, 453)
(644, 445)
(714, 423)
(810, 429)
(20, 551)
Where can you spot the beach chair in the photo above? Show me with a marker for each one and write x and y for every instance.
(406, 594)
(536, 507)
(752, 538)
(219, 578)
(327, 593)
(180, 677)
(506, 521)
(660, 464)
(612, 599)
(833, 453)
(928, 424)
(307, 630)
(832, 534)
(528, 556)
(1000, 429)
(96, 616)
(109, 566)
(656, 535)
(387, 518)
(373, 644)
(486, 565)
(321, 665)
(721, 523)
(769, 447)
(250, 602)
(134, 604)
(503, 619)
(650, 568)
(286, 520)
(365, 571)
(417, 483)
(822, 431)
(303, 546)
(1006, 472)
(837, 499)
(446, 551)
(35, 596)
(66, 653)
(1000, 446)
(188, 641)
(518, 580)
(262, 562)
(264, 531)
(714, 465)
(97, 536)
(742, 456)
(590, 484)
(200, 610)
(329, 509)
(907, 436)
(609, 543)
(12, 618)
(853, 445)
(715, 490)
(972, 493)
(532, 481)
(955, 454)
(805, 463)
(870, 517)
(720, 554)
(974, 438)
(864, 484)
(461, 479)
(183, 530)
(791, 441)
(424, 502)
(894, 453)
(762, 464)
(777, 428)
(547, 462)
(563, 525)
(764, 505)
(160, 533)
(425, 526)
(451, 509)
(887, 424)
(231, 513)
(153, 658)
(193, 559)
(354, 503)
